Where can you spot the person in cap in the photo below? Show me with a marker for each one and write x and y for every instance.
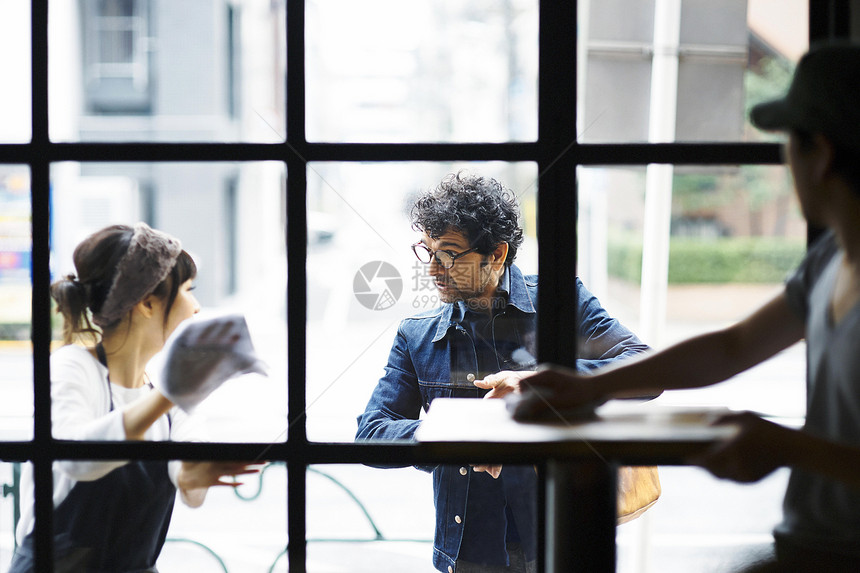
(820, 530)
(131, 291)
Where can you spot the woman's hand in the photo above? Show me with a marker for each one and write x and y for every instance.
(195, 478)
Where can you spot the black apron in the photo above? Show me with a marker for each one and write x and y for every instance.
(114, 524)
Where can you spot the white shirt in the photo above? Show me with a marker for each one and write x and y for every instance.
(80, 410)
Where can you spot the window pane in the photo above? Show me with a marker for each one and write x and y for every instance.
(685, 75)
(421, 71)
(230, 218)
(16, 376)
(723, 219)
(363, 278)
(15, 119)
(140, 79)
(208, 538)
(197, 538)
(734, 234)
(675, 537)
(360, 517)
(10, 478)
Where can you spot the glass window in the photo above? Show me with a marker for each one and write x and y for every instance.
(351, 505)
(734, 234)
(672, 536)
(15, 118)
(363, 278)
(229, 217)
(388, 71)
(116, 56)
(128, 71)
(10, 479)
(198, 539)
(140, 79)
(16, 376)
(682, 71)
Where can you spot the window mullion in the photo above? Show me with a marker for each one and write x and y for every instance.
(573, 492)
(557, 151)
(296, 235)
(41, 454)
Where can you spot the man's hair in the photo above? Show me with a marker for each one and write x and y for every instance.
(479, 207)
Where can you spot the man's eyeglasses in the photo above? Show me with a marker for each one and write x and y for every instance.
(444, 258)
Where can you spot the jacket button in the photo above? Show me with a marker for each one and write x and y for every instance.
(463, 471)
(450, 569)
(470, 377)
(458, 519)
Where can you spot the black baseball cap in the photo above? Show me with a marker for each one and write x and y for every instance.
(824, 97)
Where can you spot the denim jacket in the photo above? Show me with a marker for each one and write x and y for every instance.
(433, 356)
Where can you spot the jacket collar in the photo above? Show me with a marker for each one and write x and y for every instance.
(511, 283)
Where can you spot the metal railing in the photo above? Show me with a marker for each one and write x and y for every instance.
(14, 490)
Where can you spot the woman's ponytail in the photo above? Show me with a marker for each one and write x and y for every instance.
(72, 299)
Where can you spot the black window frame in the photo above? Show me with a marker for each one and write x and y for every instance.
(556, 153)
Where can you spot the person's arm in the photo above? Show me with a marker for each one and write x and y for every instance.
(80, 410)
(761, 446)
(395, 404)
(601, 339)
(141, 414)
(696, 362)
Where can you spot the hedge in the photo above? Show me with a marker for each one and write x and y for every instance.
(724, 260)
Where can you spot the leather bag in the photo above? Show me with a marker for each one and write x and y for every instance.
(638, 490)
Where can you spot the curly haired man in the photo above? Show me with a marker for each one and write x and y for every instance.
(470, 235)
